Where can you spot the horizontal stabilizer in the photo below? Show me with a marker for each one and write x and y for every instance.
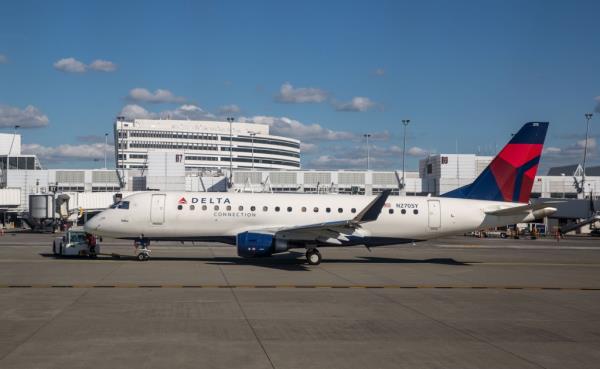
(522, 209)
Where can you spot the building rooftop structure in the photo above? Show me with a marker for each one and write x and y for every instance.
(204, 144)
(573, 170)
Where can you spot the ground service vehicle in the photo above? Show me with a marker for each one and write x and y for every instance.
(74, 243)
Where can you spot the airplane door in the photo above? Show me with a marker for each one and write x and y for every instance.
(435, 215)
(157, 210)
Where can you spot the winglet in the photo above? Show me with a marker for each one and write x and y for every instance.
(371, 211)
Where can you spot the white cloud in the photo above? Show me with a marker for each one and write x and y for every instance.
(159, 96)
(570, 154)
(359, 104)
(65, 152)
(229, 109)
(289, 94)
(379, 72)
(550, 150)
(103, 65)
(30, 117)
(417, 151)
(591, 143)
(132, 111)
(70, 65)
(306, 147)
(183, 112)
(327, 161)
(284, 126)
(3, 59)
(189, 111)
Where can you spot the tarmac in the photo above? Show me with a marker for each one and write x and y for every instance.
(457, 302)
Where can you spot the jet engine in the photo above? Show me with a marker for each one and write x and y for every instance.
(251, 245)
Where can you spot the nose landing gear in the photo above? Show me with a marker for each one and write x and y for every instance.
(313, 257)
(141, 248)
(143, 255)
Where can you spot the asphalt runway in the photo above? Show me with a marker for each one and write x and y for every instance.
(451, 303)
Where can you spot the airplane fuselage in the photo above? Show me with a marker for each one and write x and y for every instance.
(206, 216)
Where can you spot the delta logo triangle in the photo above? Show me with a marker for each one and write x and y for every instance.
(182, 200)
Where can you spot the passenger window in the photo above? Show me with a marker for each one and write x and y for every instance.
(216, 207)
(391, 211)
(328, 210)
(304, 209)
(316, 210)
(228, 207)
(204, 207)
(241, 208)
(415, 211)
(277, 208)
(265, 208)
(179, 207)
(403, 211)
(252, 208)
(340, 210)
(289, 209)
(353, 210)
(192, 207)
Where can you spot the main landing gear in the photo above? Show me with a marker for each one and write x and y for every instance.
(313, 257)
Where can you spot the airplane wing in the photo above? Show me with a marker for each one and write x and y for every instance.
(335, 232)
(521, 209)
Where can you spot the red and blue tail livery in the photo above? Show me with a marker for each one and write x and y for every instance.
(510, 176)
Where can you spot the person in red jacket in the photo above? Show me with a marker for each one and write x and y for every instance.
(91, 241)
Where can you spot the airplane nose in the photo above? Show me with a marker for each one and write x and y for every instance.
(91, 225)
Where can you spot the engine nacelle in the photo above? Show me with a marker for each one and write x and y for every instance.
(251, 245)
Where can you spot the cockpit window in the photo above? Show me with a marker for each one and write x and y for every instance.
(120, 205)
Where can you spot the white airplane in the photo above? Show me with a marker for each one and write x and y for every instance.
(263, 224)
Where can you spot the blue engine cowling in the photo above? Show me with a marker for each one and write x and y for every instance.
(251, 245)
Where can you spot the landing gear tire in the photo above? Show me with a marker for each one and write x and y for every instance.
(313, 257)
(142, 256)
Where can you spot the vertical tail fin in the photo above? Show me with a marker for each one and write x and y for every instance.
(510, 176)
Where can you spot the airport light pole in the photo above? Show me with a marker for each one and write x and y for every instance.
(588, 116)
(230, 120)
(252, 134)
(403, 184)
(367, 136)
(11, 146)
(105, 146)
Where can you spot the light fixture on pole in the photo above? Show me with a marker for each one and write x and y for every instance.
(105, 146)
(11, 146)
(230, 120)
(403, 183)
(367, 136)
(588, 116)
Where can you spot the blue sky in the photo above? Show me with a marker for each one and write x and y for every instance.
(324, 72)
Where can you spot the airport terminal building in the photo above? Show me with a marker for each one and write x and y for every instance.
(204, 144)
(166, 155)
